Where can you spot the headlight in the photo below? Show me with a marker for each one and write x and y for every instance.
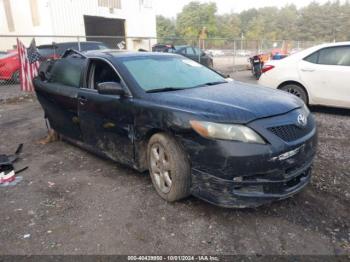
(226, 132)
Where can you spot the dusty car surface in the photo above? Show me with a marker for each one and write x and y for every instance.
(229, 143)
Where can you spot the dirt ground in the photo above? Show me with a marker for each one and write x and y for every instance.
(72, 202)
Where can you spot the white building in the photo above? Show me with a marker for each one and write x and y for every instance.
(124, 18)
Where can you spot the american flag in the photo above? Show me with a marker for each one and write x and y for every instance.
(29, 61)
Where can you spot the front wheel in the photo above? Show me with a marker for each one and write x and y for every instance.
(169, 167)
(297, 91)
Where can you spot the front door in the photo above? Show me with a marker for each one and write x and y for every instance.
(106, 120)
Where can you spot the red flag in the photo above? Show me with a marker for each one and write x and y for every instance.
(29, 69)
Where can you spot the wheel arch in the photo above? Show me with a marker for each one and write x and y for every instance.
(141, 148)
(291, 82)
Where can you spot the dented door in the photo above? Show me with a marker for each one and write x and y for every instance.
(107, 124)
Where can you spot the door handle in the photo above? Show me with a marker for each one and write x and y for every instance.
(82, 100)
(307, 70)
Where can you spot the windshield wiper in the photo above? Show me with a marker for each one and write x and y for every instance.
(212, 83)
(164, 89)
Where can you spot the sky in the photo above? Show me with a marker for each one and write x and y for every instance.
(169, 8)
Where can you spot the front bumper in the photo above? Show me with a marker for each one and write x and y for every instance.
(251, 191)
(234, 174)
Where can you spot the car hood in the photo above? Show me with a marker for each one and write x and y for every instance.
(233, 102)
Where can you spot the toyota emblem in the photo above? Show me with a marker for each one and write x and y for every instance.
(302, 120)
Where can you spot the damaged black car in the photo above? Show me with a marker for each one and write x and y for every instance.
(196, 132)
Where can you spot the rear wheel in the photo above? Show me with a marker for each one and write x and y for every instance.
(297, 91)
(169, 167)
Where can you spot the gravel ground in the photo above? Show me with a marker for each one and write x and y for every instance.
(72, 202)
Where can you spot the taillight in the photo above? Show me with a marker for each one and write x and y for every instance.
(267, 68)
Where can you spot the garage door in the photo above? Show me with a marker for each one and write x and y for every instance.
(101, 26)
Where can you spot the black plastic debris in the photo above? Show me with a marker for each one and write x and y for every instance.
(7, 169)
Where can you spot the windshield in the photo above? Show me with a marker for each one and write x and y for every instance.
(158, 72)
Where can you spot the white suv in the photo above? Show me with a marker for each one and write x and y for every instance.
(319, 75)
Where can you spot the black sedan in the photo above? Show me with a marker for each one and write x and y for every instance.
(229, 143)
(188, 51)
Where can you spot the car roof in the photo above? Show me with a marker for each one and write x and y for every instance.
(68, 43)
(115, 53)
(333, 44)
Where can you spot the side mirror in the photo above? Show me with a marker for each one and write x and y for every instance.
(110, 88)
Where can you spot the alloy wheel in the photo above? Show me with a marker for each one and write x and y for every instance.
(161, 168)
(294, 92)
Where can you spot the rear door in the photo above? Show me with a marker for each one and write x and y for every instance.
(59, 95)
(106, 120)
(326, 74)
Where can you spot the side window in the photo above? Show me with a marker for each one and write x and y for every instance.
(198, 51)
(339, 55)
(313, 58)
(67, 71)
(100, 72)
(189, 51)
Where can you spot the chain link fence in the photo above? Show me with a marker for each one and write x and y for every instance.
(224, 55)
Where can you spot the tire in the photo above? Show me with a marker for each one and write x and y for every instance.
(15, 79)
(297, 91)
(175, 166)
(257, 71)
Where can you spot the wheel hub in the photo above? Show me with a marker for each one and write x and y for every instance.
(160, 168)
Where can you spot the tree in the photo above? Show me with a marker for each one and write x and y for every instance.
(229, 26)
(194, 17)
(263, 26)
(246, 18)
(286, 23)
(165, 27)
(315, 22)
